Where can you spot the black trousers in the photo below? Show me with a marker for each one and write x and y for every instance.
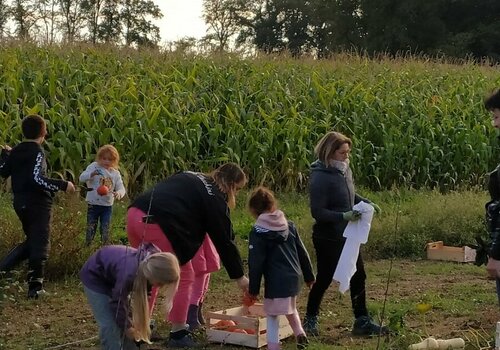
(328, 255)
(35, 219)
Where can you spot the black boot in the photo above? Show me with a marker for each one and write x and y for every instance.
(201, 319)
(35, 278)
(35, 289)
(14, 257)
(192, 317)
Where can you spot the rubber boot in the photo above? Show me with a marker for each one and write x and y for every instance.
(14, 257)
(201, 319)
(192, 317)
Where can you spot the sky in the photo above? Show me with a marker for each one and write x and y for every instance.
(181, 18)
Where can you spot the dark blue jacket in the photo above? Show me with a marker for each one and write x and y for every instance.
(281, 258)
(331, 195)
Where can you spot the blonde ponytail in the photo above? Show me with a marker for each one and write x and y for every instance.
(162, 270)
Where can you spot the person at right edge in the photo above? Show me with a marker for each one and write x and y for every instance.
(332, 197)
(492, 104)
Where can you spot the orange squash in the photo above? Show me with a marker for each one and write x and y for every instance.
(224, 325)
(239, 330)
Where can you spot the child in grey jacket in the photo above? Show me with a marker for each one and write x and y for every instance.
(104, 184)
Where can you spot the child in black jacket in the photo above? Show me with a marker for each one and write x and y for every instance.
(276, 252)
(33, 192)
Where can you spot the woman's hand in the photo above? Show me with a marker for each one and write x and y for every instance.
(352, 215)
(377, 208)
(242, 283)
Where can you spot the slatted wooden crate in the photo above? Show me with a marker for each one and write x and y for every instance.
(438, 251)
(251, 319)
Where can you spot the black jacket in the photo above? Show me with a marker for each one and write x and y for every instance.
(188, 205)
(331, 195)
(27, 167)
(281, 258)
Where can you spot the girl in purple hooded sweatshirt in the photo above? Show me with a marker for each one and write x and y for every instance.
(276, 252)
(112, 275)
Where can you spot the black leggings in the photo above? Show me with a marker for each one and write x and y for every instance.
(328, 255)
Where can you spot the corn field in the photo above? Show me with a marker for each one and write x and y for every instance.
(414, 123)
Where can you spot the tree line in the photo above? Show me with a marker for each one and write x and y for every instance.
(124, 22)
(318, 28)
(453, 28)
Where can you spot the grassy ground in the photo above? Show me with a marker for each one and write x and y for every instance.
(462, 299)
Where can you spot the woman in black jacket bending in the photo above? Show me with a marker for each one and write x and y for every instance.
(332, 197)
(175, 215)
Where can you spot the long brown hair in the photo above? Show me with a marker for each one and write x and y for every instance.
(161, 269)
(328, 144)
(229, 177)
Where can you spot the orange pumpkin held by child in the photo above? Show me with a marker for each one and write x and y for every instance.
(102, 190)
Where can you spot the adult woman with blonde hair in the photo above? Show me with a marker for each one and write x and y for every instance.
(115, 273)
(332, 197)
(175, 215)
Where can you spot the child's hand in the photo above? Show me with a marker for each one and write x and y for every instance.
(70, 188)
(94, 173)
(310, 284)
(242, 283)
(7, 148)
(249, 299)
(117, 195)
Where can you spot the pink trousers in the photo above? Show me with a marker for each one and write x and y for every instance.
(204, 262)
(139, 232)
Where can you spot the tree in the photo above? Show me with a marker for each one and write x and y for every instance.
(92, 13)
(109, 28)
(473, 28)
(24, 18)
(392, 26)
(48, 16)
(222, 24)
(335, 26)
(5, 13)
(136, 17)
(72, 16)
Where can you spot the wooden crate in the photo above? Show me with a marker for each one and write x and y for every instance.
(438, 251)
(252, 319)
